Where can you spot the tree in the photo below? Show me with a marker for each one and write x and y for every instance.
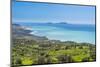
(86, 59)
(65, 59)
(41, 60)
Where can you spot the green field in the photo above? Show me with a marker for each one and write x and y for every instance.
(31, 52)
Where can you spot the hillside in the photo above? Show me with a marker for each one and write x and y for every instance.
(28, 49)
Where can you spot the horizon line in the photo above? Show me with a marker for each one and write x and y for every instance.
(56, 23)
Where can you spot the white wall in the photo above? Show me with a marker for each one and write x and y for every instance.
(5, 33)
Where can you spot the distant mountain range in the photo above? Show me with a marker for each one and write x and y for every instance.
(65, 25)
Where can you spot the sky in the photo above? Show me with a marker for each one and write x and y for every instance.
(46, 12)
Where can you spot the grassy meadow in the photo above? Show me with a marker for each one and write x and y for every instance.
(31, 52)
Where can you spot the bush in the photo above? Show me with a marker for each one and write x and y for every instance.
(65, 59)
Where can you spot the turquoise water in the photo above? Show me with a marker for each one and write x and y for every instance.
(56, 33)
(63, 32)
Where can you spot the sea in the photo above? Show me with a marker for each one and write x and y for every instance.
(64, 31)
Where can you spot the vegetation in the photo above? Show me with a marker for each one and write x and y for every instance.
(29, 49)
(30, 52)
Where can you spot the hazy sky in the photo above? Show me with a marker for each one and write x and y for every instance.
(55, 13)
